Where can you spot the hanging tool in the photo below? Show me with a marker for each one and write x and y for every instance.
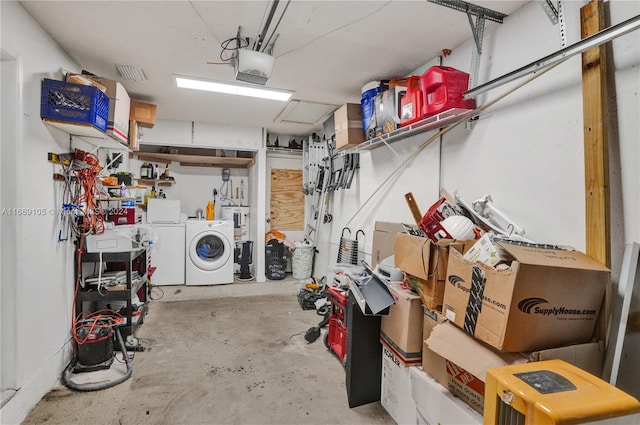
(318, 210)
(355, 165)
(413, 207)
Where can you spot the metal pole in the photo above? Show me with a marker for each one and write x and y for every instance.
(559, 56)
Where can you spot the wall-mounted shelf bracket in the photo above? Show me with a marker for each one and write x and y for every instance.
(551, 10)
(555, 12)
(477, 28)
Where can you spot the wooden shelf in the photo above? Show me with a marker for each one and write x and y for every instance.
(110, 198)
(195, 160)
(128, 187)
(159, 182)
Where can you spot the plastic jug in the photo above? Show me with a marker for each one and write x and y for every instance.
(369, 92)
(411, 103)
(443, 88)
(210, 211)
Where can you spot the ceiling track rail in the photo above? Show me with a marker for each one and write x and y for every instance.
(477, 28)
(561, 55)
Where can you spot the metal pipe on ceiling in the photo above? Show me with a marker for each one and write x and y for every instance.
(559, 56)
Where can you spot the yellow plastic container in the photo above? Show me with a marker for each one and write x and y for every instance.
(210, 211)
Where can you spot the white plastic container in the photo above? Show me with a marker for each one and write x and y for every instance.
(302, 260)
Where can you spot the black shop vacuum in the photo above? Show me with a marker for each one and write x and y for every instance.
(94, 340)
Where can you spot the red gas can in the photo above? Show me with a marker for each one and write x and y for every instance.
(442, 88)
(412, 102)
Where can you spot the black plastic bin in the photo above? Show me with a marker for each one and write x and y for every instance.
(276, 254)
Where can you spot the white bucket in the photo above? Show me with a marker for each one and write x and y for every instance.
(302, 261)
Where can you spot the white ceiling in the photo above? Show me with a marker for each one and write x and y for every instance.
(326, 50)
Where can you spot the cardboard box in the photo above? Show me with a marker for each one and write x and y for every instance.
(547, 298)
(430, 319)
(426, 264)
(349, 126)
(84, 80)
(401, 330)
(435, 404)
(119, 108)
(135, 135)
(432, 363)
(384, 236)
(395, 394)
(466, 360)
(143, 113)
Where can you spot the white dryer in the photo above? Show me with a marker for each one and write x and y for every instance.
(209, 252)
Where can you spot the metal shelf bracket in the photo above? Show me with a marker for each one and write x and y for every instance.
(555, 12)
(551, 10)
(477, 28)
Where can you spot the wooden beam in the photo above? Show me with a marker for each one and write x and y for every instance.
(596, 152)
(200, 160)
(596, 148)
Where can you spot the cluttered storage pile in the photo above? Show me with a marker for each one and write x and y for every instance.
(477, 294)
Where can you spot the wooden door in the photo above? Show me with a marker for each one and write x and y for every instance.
(287, 200)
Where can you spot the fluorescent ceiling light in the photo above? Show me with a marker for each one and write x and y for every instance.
(208, 85)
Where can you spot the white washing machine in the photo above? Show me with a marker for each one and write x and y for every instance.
(209, 254)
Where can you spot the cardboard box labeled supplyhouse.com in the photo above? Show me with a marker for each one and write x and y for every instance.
(546, 298)
(425, 263)
(401, 330)
(384, 236)
(466, 361)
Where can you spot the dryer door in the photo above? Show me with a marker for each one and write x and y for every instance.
(210, 250)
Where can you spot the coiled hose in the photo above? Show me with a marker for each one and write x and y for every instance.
(66, 375)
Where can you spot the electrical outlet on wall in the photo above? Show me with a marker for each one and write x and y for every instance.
(225, 174)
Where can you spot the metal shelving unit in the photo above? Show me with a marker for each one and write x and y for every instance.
(443, 119)
(132, 286)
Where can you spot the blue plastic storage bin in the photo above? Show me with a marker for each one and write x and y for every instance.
(74, 103)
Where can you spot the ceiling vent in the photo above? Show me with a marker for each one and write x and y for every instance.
(131, 72)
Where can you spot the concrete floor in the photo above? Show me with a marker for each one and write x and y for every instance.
(229, 354)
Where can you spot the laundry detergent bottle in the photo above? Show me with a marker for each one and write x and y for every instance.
(210, 211)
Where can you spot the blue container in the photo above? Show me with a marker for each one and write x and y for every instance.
(74, 103)
(369, 92)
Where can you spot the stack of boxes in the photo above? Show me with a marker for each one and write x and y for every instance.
(467, 317)
(126, 115)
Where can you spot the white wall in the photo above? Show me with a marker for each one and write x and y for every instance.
(44, 282)
(527, 149)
